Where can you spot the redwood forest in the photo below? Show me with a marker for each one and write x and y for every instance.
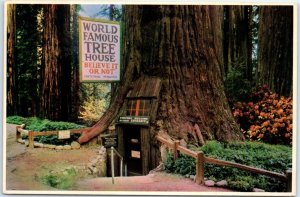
(160, 85)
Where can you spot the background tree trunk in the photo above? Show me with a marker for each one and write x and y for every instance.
(75, 82)
(237, 38)
(275, 58)
(183, 46)
(11, 66)
(56, 88)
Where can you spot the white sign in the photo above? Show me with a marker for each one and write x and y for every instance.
(99, 43)
(136, 154)
(64, 134)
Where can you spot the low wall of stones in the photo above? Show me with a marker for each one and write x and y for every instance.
(73, 145)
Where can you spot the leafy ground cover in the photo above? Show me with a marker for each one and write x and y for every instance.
(36, 124)
(277, 158)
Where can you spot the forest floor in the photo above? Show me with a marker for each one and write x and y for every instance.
(25, 168)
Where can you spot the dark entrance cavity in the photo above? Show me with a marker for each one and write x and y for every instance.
(133, 154)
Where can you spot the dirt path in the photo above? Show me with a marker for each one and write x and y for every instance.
(25, 166)
(158, 181)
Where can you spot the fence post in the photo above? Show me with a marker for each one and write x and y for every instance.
(288, 174)
(30, 139)
(175, 152)
(112, 164)
(200, 168)
(18, 134)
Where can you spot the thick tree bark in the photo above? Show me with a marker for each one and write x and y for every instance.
(183, 46)
(11, 66)
(56, 88)
(275, 58)
(237, 38)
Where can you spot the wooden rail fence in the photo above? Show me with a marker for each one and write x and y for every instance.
(201, 160)
(32, 134)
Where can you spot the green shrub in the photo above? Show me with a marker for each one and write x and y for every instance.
(277, 158)
(243, 183)
(36, 124)
(60, 181)
(237, 87)
(15, 120)
(169, 163)
(185, 165)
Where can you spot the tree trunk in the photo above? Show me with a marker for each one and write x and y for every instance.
(76, 97)
(237, 38)
(275, 58)
(182, 45)
(11, 66)
(56, 88)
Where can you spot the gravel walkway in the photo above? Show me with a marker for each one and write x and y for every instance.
(158, 181)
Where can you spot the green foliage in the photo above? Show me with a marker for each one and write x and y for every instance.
(277, 158)
(60, 181)
(243, 183)
(185, 165)
(169, 163)
(96, 101)
(267, 118)
(15, 120)
(36, 124)
(111, 12)
(27, 57)
(237, 86)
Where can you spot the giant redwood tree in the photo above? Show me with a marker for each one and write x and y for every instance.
(56, 63)
(275, 57)
(182, 45)
(11, 65)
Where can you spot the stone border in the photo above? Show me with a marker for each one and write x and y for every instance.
(74, 145)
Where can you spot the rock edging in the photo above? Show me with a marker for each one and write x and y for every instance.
(74, 145)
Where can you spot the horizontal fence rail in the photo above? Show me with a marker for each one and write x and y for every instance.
(201, 159)
(32, 134)
(246, 168)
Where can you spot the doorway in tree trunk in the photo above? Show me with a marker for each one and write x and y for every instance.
(133, 154)
(135, 126)
(134, 146)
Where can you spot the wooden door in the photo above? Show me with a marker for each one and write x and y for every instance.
(133, 153)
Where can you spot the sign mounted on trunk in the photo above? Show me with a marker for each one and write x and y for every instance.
(136, 120)
(99, 50)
